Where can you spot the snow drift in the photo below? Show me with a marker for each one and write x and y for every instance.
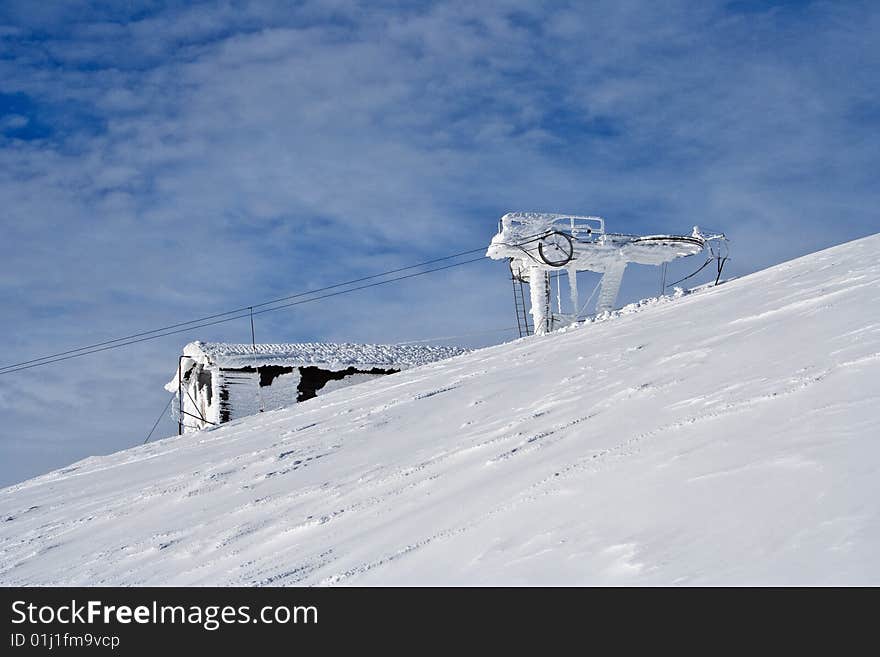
(729, 436)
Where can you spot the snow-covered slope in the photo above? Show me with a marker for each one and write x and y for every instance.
(727, 436)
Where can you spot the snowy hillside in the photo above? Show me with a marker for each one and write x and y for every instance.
(728, 436)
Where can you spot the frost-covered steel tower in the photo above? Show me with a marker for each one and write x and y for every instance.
(537, 243)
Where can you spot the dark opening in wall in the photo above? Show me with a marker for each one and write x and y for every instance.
(314, 378)
(225, 407)
(268, 373)
(204, 381)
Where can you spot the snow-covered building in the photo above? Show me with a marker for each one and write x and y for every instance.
(219, 382)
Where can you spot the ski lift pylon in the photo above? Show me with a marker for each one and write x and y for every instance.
(535, 243)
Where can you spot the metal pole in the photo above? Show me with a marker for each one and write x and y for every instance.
(516, 306)
(573, 292)
(256, 366)
(180, 396)
(558, 293)
(522, 296)
(253, 338)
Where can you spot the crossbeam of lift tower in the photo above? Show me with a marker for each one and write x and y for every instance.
(537, 243)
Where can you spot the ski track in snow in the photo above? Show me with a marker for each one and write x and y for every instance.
(723, 436)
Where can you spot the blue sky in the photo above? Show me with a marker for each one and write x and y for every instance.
(163, 161)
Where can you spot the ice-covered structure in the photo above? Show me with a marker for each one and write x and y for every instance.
(536, 243)
(219, 382)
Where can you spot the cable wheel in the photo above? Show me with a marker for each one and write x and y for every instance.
(556, 249)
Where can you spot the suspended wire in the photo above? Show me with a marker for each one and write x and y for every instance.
(693, 274)
(721, 262)
(159, 419)
(197, 417)
(232, 315)
(195, 405)
(85, 351)
(580, 312)
(235, 311)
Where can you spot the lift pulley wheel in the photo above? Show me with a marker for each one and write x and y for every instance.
(556, 249)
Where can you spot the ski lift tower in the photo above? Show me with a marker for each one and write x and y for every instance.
(537, 244)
